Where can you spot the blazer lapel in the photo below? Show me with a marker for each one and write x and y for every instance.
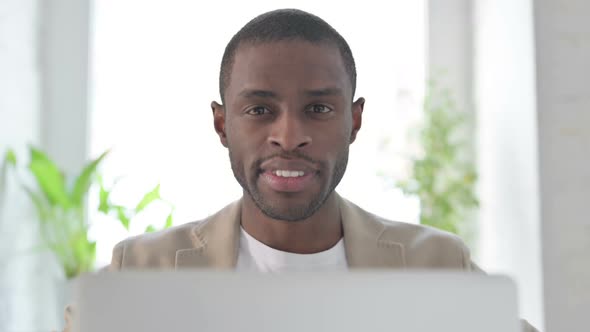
(367, 241)
(215, 241)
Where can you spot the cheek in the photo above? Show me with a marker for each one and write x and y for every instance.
(242, 146)
(235, 136)
(338, 135)
(249, 136)
(334, 147)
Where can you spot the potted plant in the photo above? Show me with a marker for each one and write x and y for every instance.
(61, 207)
(443, 176)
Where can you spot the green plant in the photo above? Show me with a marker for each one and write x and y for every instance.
(443, 176)
(61, 208)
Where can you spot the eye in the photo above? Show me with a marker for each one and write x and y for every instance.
(319, 109)
(258, 110)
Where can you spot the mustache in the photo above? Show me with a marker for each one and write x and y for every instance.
(287, 155)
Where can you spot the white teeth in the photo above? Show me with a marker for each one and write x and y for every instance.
(288, 174)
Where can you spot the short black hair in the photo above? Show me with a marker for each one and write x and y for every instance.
(285, 24)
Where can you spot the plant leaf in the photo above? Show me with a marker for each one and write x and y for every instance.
(148, 199)
(49, 178)
(122, 216)
(88, 264)
(10, 158)
(442, 178)
(103, 195)
(150, 229)
(84, 253)
(84, 180)
(168, 221)
(40, 204)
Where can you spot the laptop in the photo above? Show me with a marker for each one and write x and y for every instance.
(216, 301)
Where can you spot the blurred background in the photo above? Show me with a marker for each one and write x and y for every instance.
(476, 122)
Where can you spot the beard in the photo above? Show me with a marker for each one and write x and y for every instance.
(296, 211)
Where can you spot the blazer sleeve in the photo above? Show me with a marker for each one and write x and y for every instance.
(117, 259)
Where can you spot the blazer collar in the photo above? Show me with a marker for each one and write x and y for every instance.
(215, 241)
(368, 242)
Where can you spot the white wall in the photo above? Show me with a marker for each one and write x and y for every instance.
(562, 38)
(64, 48)
(534, 138)
(450, 54)
(507, 148)
(19, 123)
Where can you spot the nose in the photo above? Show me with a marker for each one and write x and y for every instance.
(289, 133)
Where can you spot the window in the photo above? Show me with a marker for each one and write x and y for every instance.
(155, 72)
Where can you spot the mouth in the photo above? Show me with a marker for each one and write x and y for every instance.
(290, 181)
(287, 173)
(289, 176)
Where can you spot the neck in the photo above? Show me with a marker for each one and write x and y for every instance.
(317, 233)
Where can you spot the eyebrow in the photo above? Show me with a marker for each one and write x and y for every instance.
(258, 93)
(324, 92)
(254, 93)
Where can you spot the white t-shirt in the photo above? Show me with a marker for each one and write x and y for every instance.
(256, 256)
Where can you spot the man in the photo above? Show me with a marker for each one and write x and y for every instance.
(287, 118)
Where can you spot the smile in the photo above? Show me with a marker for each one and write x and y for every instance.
(288, 180)
(288, 174)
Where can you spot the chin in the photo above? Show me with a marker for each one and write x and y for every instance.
(290, 207)
(290, 214)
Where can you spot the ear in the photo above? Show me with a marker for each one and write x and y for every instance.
(219, 121)
(357, 117)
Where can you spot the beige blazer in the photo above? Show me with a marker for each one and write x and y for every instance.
(370, 242)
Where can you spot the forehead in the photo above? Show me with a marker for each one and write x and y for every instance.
(287, 66)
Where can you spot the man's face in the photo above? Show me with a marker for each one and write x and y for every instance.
(288, 122)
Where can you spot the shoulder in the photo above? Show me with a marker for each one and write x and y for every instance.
(426, 246)
(423, 246)
(155, 250)
(158, 249)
